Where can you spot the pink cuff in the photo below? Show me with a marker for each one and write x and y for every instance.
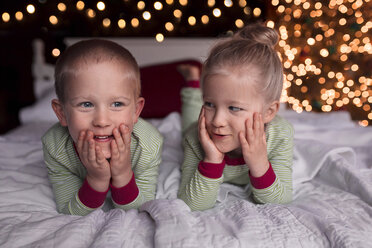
(265, 180)
(125, 194)
(90, 197)
(193, 84)
(211, 170)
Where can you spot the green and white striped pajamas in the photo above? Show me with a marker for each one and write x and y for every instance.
(67, 173)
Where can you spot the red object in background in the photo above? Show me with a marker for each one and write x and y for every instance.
(161, 86)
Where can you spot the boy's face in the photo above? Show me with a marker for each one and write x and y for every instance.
(229, 102)
(99, 98)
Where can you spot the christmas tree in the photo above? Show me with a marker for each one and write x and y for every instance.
(327, 55)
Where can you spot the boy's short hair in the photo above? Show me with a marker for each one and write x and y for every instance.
(93, 51)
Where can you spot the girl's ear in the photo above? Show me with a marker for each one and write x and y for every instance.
(271, 111)
(139, 106)
(60, 113)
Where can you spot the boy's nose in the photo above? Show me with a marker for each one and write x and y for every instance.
(101, 119)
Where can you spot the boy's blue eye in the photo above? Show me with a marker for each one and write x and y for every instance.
(208, 104)
(234, 109)
(117, 104)
(86, 104)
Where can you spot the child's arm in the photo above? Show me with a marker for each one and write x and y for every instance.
(67, 185)
(270, 174)
(146, 157)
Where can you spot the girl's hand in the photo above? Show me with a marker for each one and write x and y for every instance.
(254, 147)
(98, 168)
(120, 164)
(212, 154)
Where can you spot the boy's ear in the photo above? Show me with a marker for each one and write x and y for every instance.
(58, 110)
(271, 111)
(139, 106)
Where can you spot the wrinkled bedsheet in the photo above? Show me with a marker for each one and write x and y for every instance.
(332, 204)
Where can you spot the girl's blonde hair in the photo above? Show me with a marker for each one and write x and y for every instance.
(249, 52)
(93, 51)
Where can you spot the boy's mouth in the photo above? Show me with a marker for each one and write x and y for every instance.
(103, 138)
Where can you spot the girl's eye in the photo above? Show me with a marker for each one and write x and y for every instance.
(86, 104)
(208, 104)
(234, 109)
(117, 104)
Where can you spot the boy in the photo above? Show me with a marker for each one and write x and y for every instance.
(100, 143)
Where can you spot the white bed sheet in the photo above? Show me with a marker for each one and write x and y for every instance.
(332, 206)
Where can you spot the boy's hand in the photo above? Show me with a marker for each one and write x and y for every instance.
(189, 72)
(120, 164)
(212, 154)
(254, 147)
(98, 168)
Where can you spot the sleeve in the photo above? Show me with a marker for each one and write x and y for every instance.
(66, 187)
(281, 159)
(142, 187)
(200, 182)
(191, 104)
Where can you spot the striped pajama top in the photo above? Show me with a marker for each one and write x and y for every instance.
(200, 184)
(67, 173)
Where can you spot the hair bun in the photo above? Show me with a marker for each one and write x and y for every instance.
(258, 33)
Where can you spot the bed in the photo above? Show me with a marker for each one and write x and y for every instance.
(332, 172)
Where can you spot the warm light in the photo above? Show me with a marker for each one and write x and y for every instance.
(183, 2)
(106, 22)
(239, 23)
(205, 19)
(146, 15)
(228, 3)
(243, 3)
(257, 12)
(61, 7)
(30, 8)
(91, 13)
(134, 22)
(141, 5)
(354, 67)
(275, 2)
(177, 13)
(270, 24)
(101, 6)
(19, 16)
(247, 11)
(169, 26)
(363, 123)
(158, 5)
(192, 21)
(217, 12)
(211, 3)
(311, 41)
(80, 5)
(56, 52)
(159, 37)
(53, 20)
(169, 2)
(324, 52)
(5, 16)
(121, 23)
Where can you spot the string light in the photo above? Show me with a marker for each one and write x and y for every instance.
(158, 5)
(53, 20)
(146, 15)
(30, 9)
(101, 6)
(217, 12)
(6, 17)
(19, 15)
(62, 7)
(121, 23)
(80, 5)
(159, 37)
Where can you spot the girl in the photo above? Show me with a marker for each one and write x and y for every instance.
(238, 137)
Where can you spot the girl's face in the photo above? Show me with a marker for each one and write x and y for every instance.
(99, 99)
(228, 102)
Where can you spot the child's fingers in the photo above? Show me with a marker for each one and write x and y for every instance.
(243, 141)
(249, 131)
(114, 150)
(125, 132)
(99, 155)
(118, 138)
(91, 151)
(80, 141)
(257, 125)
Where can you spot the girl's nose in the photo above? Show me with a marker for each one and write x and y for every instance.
(219, 118)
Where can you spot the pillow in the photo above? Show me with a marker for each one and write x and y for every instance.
(161, 86)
